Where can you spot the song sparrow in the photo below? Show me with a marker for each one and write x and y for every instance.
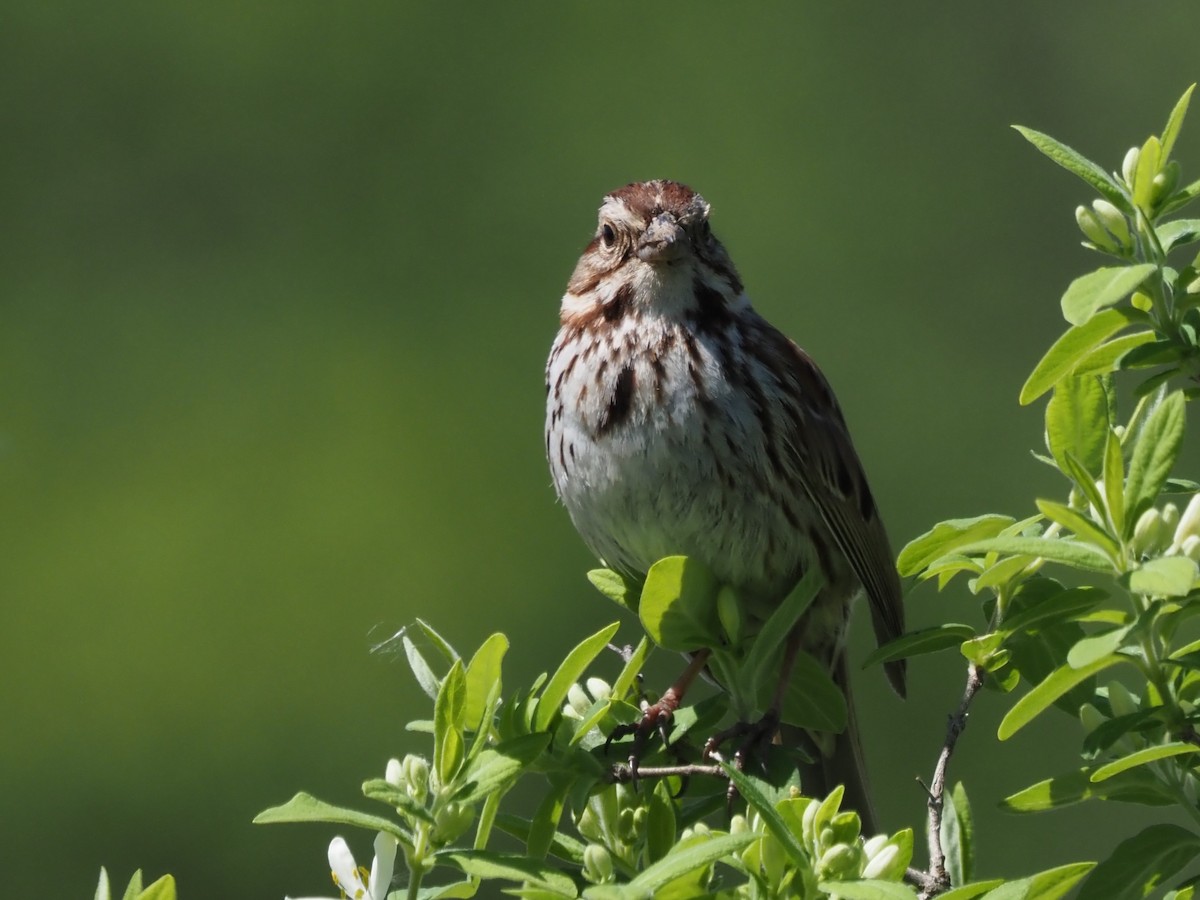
(679, 421)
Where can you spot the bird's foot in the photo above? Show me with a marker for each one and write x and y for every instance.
(753, 739)
(656, 719)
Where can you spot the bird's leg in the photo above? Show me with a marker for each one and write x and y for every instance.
(657, 716)
(756, 735)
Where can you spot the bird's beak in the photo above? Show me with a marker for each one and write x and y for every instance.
(662, 241)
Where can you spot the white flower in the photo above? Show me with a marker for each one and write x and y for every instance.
(349, 877)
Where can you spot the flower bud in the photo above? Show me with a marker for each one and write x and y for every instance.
(630, 823)
(846, 827)
(598, 688)
(1113, 220)
(1165, 182)
(394, 774)
(873, 845)
(1141, 300)
(451, 821)
(1191, 547)
(597, 864)
(1093, 230)
(1170, 515)
(808, 821)
(577, 702)
(880, 864)
(1189, 522)
(1129, 165)
(738, 825)
(415, 773)
(840, 861)
(1149, 534)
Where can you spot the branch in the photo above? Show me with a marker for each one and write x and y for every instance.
(937, 879)
(623, 774)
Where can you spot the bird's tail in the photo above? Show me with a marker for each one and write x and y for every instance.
(838, 759)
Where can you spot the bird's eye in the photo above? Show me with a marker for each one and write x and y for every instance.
(608, 234)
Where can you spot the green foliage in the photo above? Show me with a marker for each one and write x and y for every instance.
(163, 889)
(1129, 558)
(1113, 527)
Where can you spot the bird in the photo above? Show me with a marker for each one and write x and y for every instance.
(680, 422)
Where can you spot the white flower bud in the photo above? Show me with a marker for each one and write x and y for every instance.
(1191, 547)
(394, 774)
(1129, 165)
(1149, 533)
(1093, 230)
(1113, 220)
(873, 845)
(598, 688)
(840, 860)
(1189, 522)
(1170, 515)
(577, 701)
(881, 863)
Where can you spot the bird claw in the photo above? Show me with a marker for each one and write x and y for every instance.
(753, 739)
(657, 717)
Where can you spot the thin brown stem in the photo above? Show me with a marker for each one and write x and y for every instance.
(937, 880)
(622, 773)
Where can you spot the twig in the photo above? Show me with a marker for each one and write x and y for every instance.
(623, 774)
(937, 880)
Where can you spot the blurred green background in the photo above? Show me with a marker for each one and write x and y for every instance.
(278, 283)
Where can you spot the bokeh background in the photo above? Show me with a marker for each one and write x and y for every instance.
(277, 282)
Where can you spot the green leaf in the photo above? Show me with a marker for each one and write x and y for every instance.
(1083, 527)
(868, 890)
(921, 641)
(448, 747)
(811, 698)
(632, 669)
(1175, 123)
(1114, 483)
(1047, 691)
(1048, 885)
(958, 835)
(1095, 646)
(1111, 357)
(1059, 607)
(1088, 294)
(678, 606)
(1177, 233)
(765, 656)
(162, 889)
(1071, 348)
(485, 864)
(1142, 757)
(1141, 863)
(421, 670)
(766, 810)
(1180, 198)
(307, 808)
(440, 643)
(550, 703)
(483, 676)
(497, 767)
(687, 858)
(971, 891)
(1134, 786)
(1110, 731)
(616, 587)
(396, 797)
(1148, 165)
(1071, 553)
(562, 845)
(544, 825)
(946, 536)
(1077, 422)
(1166, 576)
(1077, 164)
(1154, 455)
(660, 823)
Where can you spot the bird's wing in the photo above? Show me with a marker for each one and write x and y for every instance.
(830, 474)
